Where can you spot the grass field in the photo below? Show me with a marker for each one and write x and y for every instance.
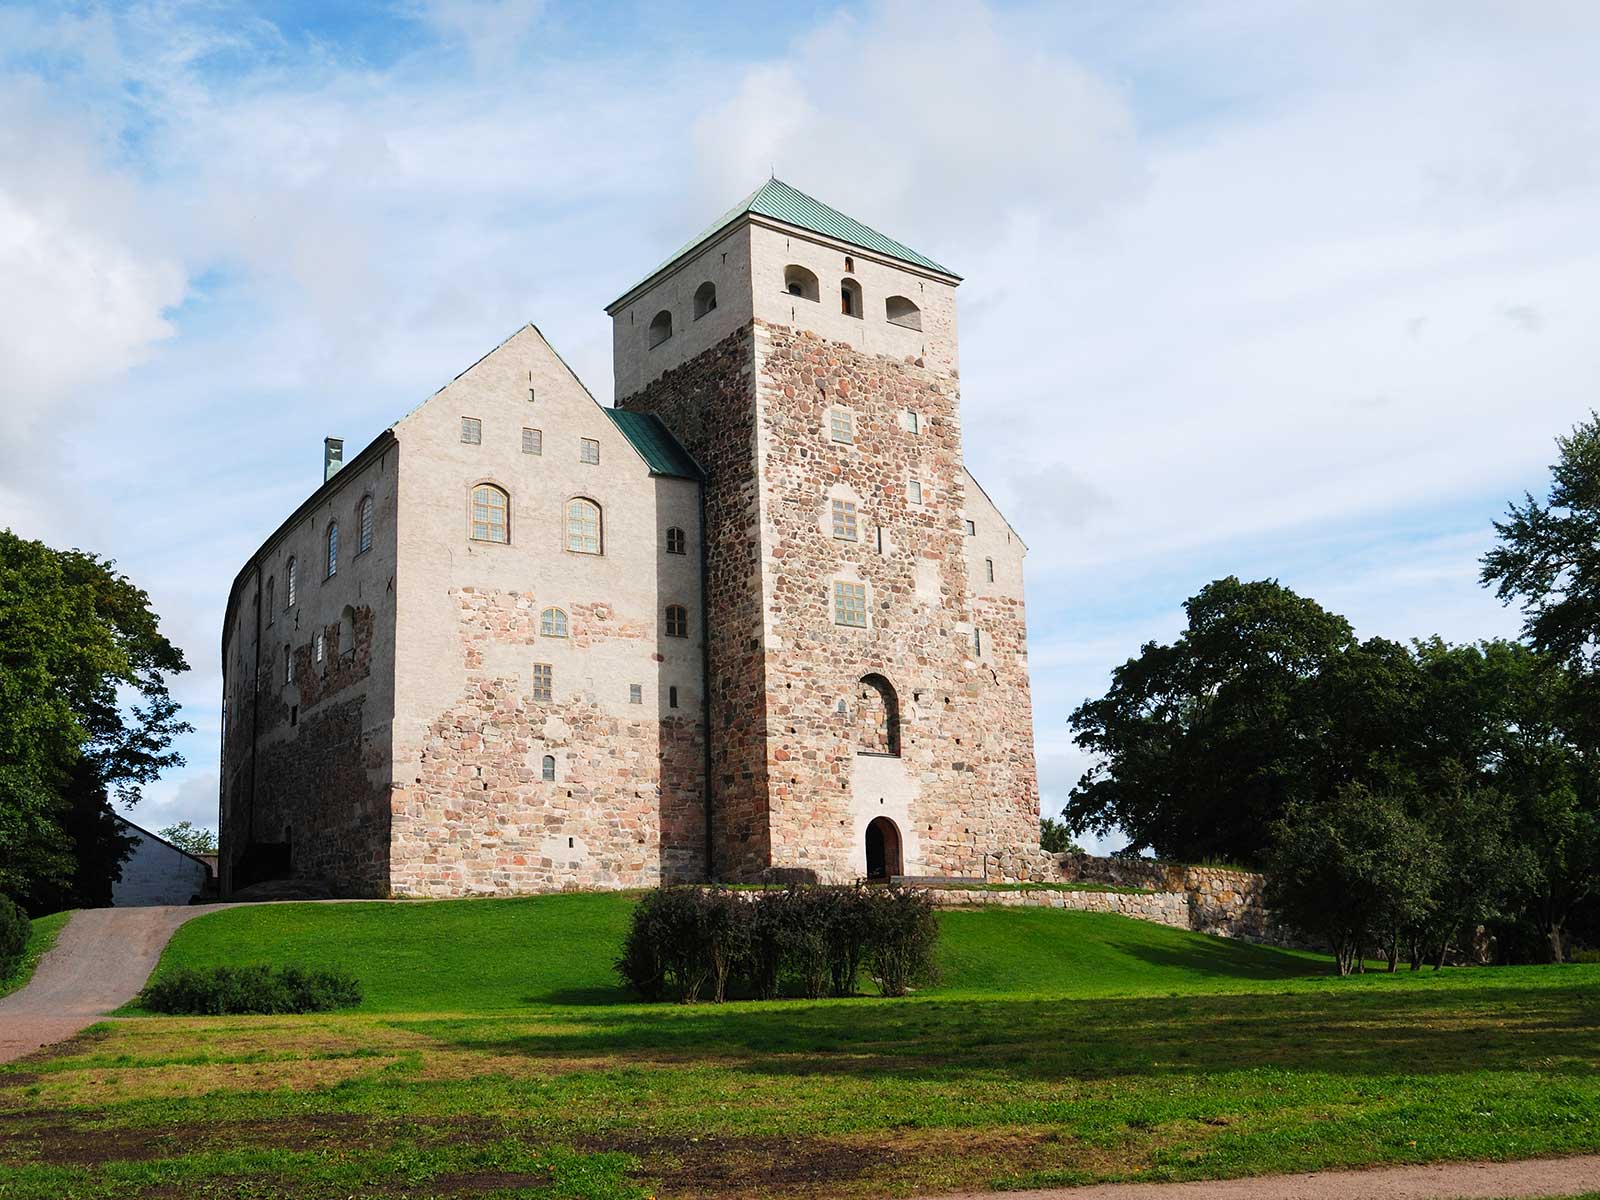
(493, 1056)
(41, 936)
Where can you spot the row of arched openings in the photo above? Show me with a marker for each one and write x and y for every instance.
(802, 283)
(491, 520)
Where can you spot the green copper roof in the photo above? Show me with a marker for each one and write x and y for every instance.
(655, 444)
(781, 202)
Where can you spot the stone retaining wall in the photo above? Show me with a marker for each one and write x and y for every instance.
(1164, 908)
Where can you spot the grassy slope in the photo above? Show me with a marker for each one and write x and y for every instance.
(41, 937)
(1059, 1048)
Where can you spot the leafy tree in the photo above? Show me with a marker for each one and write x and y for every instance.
(1056, 838)
(187, 836)
(84, 713)
(1203, 744)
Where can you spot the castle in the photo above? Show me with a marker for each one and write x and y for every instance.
(756, 621)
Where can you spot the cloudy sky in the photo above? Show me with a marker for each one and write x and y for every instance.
(1300, 290)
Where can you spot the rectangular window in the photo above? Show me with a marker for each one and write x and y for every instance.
(589, 451)
(977, 642)
(844, 520)
(288, 665)
(677, 621)
(914, 491)
(635, 693)
(842, 426)
(972, 528)
(850, 604)
(321, 645)
(911, 421)
(471, 431)
(672, 697)
(543, 682)
(988, 565)
(532, 441)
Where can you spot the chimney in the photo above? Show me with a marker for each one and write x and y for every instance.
(332, 457)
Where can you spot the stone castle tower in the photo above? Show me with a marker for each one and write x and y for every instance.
(869, 708)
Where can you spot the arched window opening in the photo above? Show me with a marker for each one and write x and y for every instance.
(705, 299)
(333, 548)
(271, 600)
(660, 328)
(798, 281)
(849, 265)
(883, 850)
(877, 717)
(291, 579)
(553, 623)
(547, 769)
(850, 298)
(491, 520)
(676, 542)
(677, 621)
(901, 311)
(583, 526)
(364, 523)
(347, 633)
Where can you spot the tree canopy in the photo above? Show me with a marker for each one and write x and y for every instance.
(85, 714)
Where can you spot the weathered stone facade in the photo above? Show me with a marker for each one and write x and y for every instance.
(756, 620)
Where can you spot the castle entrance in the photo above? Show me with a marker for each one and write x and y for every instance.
(883, 850)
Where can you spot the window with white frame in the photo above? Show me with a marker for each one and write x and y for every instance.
(842, 425)
(543, 681)
(490, 514)
(533, 441)
(471, 431)
(850, 603)
(552, 623)
(583, 526)
(844, 520)
(589, 451)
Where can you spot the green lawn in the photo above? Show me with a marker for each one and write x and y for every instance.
(42, 935)
(495, 1056)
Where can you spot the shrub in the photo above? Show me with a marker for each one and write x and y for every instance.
(14, 930)
(215, 991)
(814, 939)
(1586, 956)
(901, 932)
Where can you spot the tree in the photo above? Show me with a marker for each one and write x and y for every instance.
(84, 713)
(1204, 743)
(1353, 868)
(188, 836)
(1055, 838)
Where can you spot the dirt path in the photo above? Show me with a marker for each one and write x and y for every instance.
(1440, 1181)
(99, 962)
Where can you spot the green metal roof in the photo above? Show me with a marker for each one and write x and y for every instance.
(655, 444)
(781, 202)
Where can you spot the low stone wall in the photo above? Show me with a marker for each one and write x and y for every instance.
(1164, 908)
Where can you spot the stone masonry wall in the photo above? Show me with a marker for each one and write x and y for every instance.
(709, 404)
(1163, 908)
(964, 797)
(623, 811)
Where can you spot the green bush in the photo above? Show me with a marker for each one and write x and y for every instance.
(1586, 956)
(14, 930)
(216, 991)
(806, 939)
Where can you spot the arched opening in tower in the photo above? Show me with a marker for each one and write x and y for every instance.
(883, 850)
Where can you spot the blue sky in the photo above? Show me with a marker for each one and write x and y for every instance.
(1275, 289)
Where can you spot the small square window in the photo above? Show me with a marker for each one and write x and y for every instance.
(850, 604)
(543, 682)
(914, 491)
(532, 441)
(844, 520)
(911, 421)
(471, 431)
(635, 693)
(972, 528)
(589, 451)
(842, 425)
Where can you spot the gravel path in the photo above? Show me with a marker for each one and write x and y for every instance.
(1439, 1181)
(99, 962)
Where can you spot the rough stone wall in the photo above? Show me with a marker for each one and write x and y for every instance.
(1163, 908)
(709, 403)
(958, 799)
(623, 810)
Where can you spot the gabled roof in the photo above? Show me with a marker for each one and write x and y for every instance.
(779, 201)
(655, 444)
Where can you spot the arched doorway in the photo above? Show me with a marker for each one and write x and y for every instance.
(883, 850)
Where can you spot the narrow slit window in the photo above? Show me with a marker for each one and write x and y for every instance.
(988, 567)
(333, 549)
(672, 697)
(850, 604)
(543, 682)
(471, 431)
(364, 525)
(288, 665)
(320, 645)
(547, 769)
(291, 580)
(271, 599)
